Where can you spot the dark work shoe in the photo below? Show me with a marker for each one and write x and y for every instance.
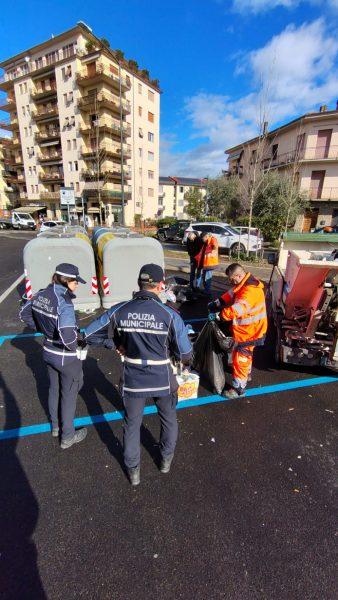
(80, 435)
(55, 432)
(233, 393)
(134, 475)
(166, 463)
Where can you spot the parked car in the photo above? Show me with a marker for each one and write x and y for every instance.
(47, 225)
(172, 232)
(253, 231)
(227, 236)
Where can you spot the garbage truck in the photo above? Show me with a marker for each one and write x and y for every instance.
(303, 291)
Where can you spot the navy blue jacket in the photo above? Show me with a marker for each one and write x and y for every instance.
(51, 312)
(151, 333)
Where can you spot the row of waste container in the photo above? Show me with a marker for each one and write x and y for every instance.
(109, 262)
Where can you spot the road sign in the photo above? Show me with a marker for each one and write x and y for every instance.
(67, 197)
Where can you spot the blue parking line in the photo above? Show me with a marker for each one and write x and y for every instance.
(15, 336)
(7, 434)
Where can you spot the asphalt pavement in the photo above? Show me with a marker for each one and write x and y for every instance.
(247, 511)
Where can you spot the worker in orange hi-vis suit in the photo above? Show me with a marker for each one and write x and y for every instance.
(244, 305)
(207, 261)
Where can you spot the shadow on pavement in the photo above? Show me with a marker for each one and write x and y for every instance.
(19, 511)
(32, 351)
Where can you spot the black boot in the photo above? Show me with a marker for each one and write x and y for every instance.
(166, 463)
(234, 393)
(134, 475)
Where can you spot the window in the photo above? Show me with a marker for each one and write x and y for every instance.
(29, 170)
(69, 145)
(25, 87)
(138, 204)
(23, 111)
(68, 50)
(139, 88)
(52, 57)
(38, 63)
(26, 131)
(140, 132)
(70, 166)
(70, 97)
(28, 110)
(72, 121)
(65, 96)
(36, 189)
(32, 189)
(274, 151)
(181, 189)
(76, 165)
(151, 192)
(150, 136)
(74, 144)
(160, 202)
(140, 152)
(77, 186)
(150, 117)
(34, 170)
(140, 111)
(151, 156)
(151, 96)
(219, 230)
(20, 88)
(32, 151)
(150, 174)
(30, 130)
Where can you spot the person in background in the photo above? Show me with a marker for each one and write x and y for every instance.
(146, 333)
(243, 305)
(51, 312)
(194, 246)
(207, 260)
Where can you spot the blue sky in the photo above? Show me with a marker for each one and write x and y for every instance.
(213, 59)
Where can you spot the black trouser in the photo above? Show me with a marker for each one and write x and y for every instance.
(65, 382)
(166, 407)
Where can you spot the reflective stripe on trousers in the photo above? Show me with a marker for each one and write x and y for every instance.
(241, 366)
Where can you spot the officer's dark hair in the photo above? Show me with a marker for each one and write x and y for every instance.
(231, 269)
(61, 279)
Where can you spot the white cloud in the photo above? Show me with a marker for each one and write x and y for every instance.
(257, 6)
(298, 67)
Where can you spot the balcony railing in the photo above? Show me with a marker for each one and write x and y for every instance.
(113, 126)
(106, 148)
(43, 113)
(44, 136)
(51, 176)
(49, 195)
(51, 156)
(303, 154)
(91, 100)
(39, 93)
(86, 76)
(104, 173)
(326, 193)
(9, 104)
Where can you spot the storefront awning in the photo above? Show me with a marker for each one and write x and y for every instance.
(29, 208)
(93, 209)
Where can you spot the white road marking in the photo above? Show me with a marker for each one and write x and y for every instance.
(11, 288)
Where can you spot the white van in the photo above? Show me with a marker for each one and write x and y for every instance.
(22, 220)
(227, 236)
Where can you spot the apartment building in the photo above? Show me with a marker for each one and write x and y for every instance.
(171, 197)
(83, 117)
(8, 194)
(307, 148)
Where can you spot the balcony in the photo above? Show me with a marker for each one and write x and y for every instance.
(309, 154)
(40, 94)
(93, 76)
(52, 156)
(106, 149)
(49, 195)
(92, 101)
(326, 193)
(320, 153)
(114, 192)
(9, 104)
(9, 125)
(105, 125)
(45, 113)
(52, 176)
(23, 196)
(46, 136)
(105, 173)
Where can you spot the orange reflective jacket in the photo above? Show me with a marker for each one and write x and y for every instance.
(244, 305)
(207, 258)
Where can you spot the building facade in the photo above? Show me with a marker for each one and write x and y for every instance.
(171, 198)
(8, 190)
(83, 117)
(307, 149)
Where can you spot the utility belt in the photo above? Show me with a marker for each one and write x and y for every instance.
(57, 348)
(145, 362)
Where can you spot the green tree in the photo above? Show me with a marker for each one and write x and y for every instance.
(105, 42)
(223, 197)
(119, 54)
(133, 65)
(277, 204)
(195, 207)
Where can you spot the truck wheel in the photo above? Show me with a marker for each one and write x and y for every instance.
(161, 237)
(235, 247)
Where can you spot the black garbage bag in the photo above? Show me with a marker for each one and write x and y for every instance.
(210, 349)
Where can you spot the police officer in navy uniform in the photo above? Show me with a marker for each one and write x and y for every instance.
(51, 312)
(147, 333)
